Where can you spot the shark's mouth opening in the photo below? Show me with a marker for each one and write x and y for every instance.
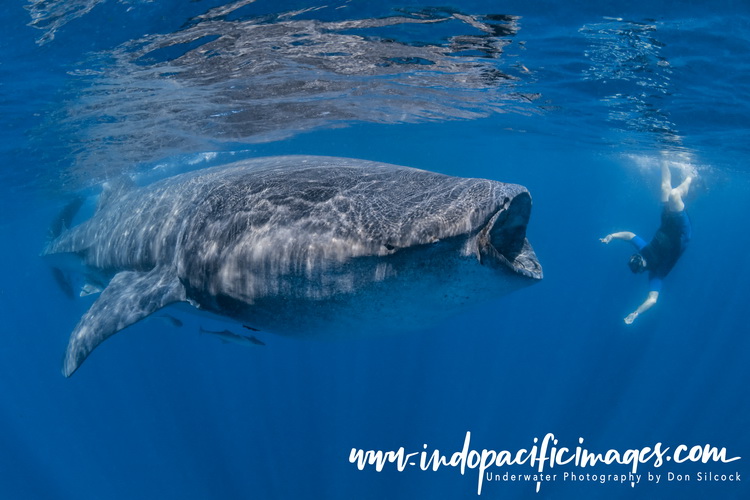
(503, 241)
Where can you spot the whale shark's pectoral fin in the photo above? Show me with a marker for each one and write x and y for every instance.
(129, 297)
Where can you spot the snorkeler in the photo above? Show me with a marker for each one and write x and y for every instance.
(659, 256)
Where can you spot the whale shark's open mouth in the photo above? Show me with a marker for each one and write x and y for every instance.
(503, 241)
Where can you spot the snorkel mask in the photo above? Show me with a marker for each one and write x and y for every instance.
(637, 263)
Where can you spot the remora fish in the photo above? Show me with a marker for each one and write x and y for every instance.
(228, 336)
(302, 246)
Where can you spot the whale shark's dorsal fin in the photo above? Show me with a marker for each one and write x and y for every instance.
(114, 189)
(129, 297)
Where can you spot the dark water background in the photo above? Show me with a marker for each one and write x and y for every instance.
(577, 102)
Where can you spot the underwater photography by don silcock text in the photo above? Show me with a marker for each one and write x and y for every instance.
(307, 249)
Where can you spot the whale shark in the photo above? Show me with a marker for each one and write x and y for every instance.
(304, 246)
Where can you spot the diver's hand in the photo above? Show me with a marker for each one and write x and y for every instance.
(621, 235)
(631, 317)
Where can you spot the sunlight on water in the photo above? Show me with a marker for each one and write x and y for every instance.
(627, 64)
(266, 78)
(681, 160)
(50, 16)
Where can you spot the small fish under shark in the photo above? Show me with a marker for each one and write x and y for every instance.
(299, 245)
(228, 336)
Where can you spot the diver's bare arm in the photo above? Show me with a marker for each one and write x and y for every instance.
(622, 235)
(650, 301)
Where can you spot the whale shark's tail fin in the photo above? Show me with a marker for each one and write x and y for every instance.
(63, 282)
(65, 218)
(129, 297)
(62, 223)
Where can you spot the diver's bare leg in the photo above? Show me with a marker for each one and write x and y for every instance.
(666, 182)
(675, 195)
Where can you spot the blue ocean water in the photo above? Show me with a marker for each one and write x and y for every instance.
(579, 101)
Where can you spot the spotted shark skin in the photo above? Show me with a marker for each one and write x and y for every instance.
(302, 246)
